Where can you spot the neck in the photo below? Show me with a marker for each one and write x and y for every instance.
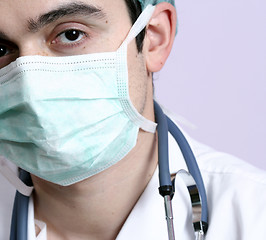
(97, 207)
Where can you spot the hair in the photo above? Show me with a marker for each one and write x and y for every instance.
(134, 10)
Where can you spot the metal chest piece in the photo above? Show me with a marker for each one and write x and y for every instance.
(193, 191)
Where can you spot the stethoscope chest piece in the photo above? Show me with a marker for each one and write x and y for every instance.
(196, 203)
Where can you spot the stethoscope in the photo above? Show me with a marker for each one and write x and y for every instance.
(192, 179)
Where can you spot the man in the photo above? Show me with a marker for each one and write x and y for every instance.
(50, 129)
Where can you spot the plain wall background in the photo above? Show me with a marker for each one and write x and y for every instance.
(216, 75)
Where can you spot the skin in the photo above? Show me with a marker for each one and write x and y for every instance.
(85, 210)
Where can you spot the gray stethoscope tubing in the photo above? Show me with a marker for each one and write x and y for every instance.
(19, 222)
(166, 188)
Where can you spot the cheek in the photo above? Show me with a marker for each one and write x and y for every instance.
(137, 78)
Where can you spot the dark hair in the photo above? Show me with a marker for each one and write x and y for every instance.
(134, 10)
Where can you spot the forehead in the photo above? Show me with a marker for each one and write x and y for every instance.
(17, 12)
(28, 6)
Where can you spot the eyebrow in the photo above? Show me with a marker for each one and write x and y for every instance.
(71, 9)
(3, 36)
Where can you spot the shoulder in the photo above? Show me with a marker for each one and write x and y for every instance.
(236, 193)
(224, 168)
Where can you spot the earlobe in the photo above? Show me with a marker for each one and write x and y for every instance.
(160, 34)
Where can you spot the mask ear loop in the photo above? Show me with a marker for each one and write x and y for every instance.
(122, 73)
(139, 25)
(20, 186)
(23, 184)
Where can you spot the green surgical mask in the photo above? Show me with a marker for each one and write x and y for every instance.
(65, 119)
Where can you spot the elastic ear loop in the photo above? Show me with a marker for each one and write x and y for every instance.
(122, 73)
(23, 184)
(13, 178)
(139, 25)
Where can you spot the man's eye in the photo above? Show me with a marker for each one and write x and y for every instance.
(8, 53)
(69, 37)
(4, 50)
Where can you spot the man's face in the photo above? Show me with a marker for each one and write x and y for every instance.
(64, 28)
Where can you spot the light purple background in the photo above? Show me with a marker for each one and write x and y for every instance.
(216, 75)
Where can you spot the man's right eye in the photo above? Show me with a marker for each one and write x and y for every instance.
(8, 53)
(4, 50)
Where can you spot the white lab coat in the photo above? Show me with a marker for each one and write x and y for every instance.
(236, 195)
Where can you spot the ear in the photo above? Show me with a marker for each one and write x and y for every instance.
(160, 35)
